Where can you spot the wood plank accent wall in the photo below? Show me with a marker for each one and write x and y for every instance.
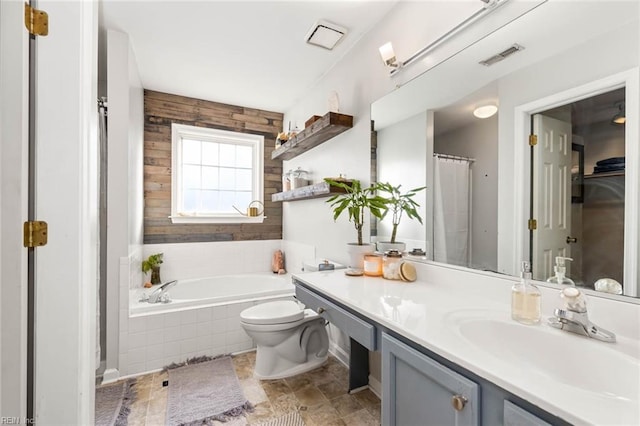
(162, 109)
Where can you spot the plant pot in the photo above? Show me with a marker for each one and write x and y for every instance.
(383, 246)
(356, 254)
(155, 275)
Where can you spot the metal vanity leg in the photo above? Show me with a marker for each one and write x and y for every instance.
(358, 366)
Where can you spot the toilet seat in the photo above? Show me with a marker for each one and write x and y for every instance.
(278, 312)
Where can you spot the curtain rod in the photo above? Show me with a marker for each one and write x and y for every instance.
(454, 157)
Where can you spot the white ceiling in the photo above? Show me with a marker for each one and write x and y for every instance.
(247, 53)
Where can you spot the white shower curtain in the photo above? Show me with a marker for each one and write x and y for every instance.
(451, 211)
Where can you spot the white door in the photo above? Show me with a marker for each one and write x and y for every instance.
(551, 194)
(66, 197)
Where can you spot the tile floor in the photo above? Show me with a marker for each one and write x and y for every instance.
(320, 397)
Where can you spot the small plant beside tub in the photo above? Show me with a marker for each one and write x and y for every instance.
(152, 263)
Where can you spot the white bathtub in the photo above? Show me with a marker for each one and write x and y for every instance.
(213, 291)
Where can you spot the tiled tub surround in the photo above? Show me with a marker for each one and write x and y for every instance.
(147, 343)
(158, 339)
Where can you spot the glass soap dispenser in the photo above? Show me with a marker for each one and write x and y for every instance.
(525, 298)
(560, 270)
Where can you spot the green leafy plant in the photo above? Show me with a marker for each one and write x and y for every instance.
(356, 200)
(398, 203)
(152, 261)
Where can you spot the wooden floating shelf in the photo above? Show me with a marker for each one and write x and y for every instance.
(330, 125)
(318, 190)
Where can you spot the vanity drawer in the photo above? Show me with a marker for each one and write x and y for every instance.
(355, 327)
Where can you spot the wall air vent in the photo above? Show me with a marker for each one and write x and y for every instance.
(502, 55)
(325, 34)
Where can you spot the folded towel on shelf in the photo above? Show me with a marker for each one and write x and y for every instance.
(611, 161)
(608, 168)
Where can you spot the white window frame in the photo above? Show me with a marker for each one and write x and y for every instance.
(256, 142)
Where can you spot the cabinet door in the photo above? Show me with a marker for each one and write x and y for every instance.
(516, 416)
(416, 390)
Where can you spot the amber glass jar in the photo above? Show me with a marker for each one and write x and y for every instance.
(373, 265)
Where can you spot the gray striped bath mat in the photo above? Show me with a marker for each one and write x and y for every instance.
(291, 419)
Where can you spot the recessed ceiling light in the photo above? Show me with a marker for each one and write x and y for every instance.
(325, 34)
(485, 111)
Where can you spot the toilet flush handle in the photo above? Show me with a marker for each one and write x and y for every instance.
(320, 311)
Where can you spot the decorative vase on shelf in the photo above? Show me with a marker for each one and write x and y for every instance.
(155, 275)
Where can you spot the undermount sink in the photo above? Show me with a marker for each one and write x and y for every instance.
(574, 360)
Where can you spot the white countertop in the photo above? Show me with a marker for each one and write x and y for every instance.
(429, 312)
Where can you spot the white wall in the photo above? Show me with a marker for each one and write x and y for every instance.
(479, 141)
(13, 208)
(125, 198)
(404, 149)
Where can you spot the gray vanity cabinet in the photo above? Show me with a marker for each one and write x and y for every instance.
(416, 390)
(516, 416)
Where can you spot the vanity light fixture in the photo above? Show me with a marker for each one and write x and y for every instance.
(395, 65)
(620, 117)
(388, 56)
(485, 111)
(325, 34)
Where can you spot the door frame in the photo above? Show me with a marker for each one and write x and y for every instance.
(14, 133)
(630, 79)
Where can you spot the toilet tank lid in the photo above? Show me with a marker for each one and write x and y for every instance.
(278, 312)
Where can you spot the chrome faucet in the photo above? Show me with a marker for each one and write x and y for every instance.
(573, 317)
(160, 294)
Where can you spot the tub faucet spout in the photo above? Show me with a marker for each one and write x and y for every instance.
(159, 294)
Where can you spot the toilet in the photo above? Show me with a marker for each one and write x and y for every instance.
(289, 340)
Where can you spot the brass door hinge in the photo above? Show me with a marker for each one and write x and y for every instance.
(36, 21)
(35, 233)
(533, 140)
(532, 224)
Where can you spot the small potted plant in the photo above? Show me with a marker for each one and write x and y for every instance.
(153, 264)
(356, 200)
(397, 204)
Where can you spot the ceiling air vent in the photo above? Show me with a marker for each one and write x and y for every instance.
(502, 55)
(325, 34)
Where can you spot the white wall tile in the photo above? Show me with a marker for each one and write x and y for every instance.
(188, 345)
(155, 337)
(204, 315)
(171, 349)
(155, 352)
(188, 317)
(137, 368)
(156, 364)
(137, 324)
(171, 334)
(137, 355)
(137, 340)
(204, 329)
(171, 319)
(204, 343)
(219, 312)
(156, 322)
(188, 331)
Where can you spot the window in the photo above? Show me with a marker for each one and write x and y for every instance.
(213, 171)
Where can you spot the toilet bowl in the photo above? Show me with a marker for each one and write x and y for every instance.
(289, 340)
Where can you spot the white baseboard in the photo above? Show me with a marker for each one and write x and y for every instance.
(375, 386)
(110, 375)
(340, 354)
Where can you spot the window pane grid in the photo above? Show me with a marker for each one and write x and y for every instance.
(215, 176)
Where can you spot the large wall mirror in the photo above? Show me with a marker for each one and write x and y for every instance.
(566, 72)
